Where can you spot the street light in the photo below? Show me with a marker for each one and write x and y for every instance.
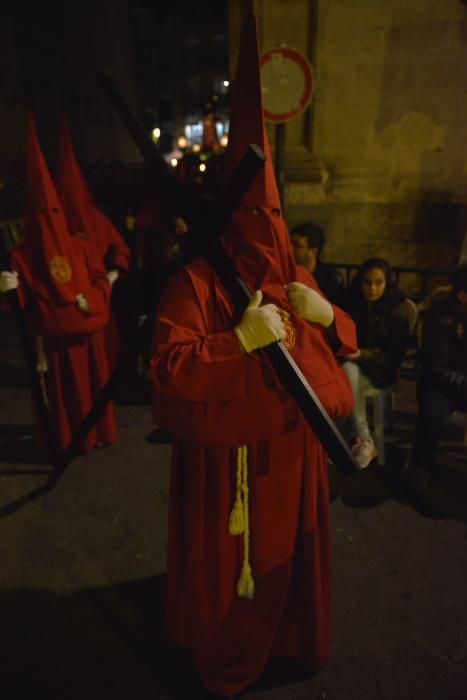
(182, 142)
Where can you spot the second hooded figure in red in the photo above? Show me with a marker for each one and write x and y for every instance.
(65, 295)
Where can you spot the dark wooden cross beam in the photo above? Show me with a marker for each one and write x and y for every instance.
(286, 368)
(155, 162)
(284, 365)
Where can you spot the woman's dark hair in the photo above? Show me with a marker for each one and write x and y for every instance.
(372, 318)
(370, 264)
(314, 234)
(392, 294)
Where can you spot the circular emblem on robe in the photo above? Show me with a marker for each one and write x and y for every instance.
(60, 268)
(290, 332)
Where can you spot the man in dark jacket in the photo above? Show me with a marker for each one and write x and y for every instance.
(442, 386)
(307, 241)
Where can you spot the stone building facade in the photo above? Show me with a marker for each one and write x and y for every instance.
(380, 157)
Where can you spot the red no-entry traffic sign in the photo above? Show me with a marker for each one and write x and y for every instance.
(286, 84)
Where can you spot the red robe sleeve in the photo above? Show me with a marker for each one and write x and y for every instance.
(193, 363)
(205, 388)
(48, 318)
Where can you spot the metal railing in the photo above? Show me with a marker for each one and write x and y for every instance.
(417, 282)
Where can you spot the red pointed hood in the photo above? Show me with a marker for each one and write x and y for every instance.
(46, 230)
(71, 186)
(84, 218)
(259, 243)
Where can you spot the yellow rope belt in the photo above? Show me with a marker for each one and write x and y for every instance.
(239, 523)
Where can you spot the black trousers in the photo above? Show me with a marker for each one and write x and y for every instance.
(434, 409)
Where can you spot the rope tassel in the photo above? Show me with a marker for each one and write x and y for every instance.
(236, 521)
(239, 524)
(245, 584)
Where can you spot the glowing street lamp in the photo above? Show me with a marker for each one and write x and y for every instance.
(182, 142)
(224, 140)
(202, 167)
(174, 162)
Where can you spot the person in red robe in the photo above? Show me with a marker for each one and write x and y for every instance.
(249, 550)
(83, 217)
(86, 221)
(65, 296)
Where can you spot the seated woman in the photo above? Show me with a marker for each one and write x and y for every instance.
(384, 318)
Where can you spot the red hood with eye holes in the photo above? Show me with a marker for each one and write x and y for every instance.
(46, 237)
(259, 244)
(83, 217)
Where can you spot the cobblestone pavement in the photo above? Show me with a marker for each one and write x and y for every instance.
(82, 569)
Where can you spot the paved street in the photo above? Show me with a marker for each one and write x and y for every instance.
(82, 569)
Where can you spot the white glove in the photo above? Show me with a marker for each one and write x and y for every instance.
(259, 325)
(112, 276)
(8, 281)
(82, 303)
(309, 304)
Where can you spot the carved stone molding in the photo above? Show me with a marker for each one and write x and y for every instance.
(301, 165)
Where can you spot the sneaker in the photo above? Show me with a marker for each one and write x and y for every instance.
(364, 451)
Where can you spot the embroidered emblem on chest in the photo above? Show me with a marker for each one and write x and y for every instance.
(290, 332)
(60, 268)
